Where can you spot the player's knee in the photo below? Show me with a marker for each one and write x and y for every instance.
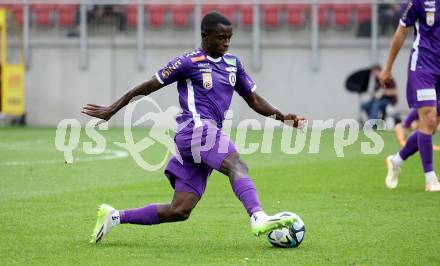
(180, 214)
(239, 169)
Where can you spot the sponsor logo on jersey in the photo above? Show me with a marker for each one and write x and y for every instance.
(206, 70)
(405, 12)
(231, 69)
(198, 58)
(207, 81)
(231, 61)
(232, 78)
(430, 3)
(430, 18)
(192, 53)
(166, 72)
(203, 64)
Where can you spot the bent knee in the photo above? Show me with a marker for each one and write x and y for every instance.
(180, 214)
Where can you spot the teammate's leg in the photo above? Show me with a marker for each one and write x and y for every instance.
(427, 128)
(244, 189)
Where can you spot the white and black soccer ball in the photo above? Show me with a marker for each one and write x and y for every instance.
(290, 236)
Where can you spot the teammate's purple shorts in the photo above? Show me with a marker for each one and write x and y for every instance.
(423, 89)
(200, 153)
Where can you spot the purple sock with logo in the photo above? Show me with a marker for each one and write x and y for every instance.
(246, 192)
(426, 154)
(147, 215)
(411, 146)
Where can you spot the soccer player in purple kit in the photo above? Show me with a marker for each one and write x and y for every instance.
(423, 86)
(206, 79)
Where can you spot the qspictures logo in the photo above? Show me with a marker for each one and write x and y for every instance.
(346, 132)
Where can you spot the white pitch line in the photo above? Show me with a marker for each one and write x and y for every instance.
(108, 155)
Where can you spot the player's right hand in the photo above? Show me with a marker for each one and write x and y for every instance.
(103, 112)
(385, 76)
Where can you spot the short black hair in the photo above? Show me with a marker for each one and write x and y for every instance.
(212, 19)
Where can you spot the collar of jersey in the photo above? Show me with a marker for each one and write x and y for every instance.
(215, 60)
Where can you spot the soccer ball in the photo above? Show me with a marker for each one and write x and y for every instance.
(290, 236)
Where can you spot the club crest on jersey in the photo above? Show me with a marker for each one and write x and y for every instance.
(430, 18)
(232, 79)
(207, 81)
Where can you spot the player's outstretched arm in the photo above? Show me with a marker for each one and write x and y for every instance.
(261, 106)
(396, 44)
(106, 112)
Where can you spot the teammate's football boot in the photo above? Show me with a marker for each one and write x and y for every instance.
(262, 224)
(433, 186)
(393, 173)
(103, 223)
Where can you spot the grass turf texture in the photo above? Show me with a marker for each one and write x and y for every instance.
(48, 210)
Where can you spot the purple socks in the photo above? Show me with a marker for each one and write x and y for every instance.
(147, 215)
(411, 146)
(421, 142)
(425, 149)
(245, 191)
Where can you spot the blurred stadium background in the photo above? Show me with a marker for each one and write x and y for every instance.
(298, 52)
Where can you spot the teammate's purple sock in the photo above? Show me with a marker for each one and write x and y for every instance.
(411, 146)
(426, 154)
(245, 191)
(147, 215)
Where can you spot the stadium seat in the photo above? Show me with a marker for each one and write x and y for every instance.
(17, 10)
(271, 15)
(181, 15)
(343, 15)
(363, 12)
(324, 15)
(67, 15)
(228, 10)
(156, 15)
(297, 14)
(44, 14)
(131, 15)
(247, 16)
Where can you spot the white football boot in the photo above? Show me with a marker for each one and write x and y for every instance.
(262, 223)
(392, 174)
(103, 223)
(433, 186)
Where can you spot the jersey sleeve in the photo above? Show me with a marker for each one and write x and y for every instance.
(175, 70)
(244, 85)
(410, 14)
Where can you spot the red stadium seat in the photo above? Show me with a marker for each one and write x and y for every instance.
(181, 14)
(271, 15)
(156, 15)
(17, 10)
(247, 15)
(131, 15)
(343, 14)
(297, 14)
(228, 10)
(44, 14)
(324, 14)
(363, 12)
(67, 15)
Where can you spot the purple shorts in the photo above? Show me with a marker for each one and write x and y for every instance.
(200, 150)
(422, 89)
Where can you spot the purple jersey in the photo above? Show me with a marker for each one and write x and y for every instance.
(424, 15)
(205, 84)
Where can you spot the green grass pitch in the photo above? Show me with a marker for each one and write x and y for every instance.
(48, 208)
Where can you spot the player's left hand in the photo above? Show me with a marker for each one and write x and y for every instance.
(295, 121)
(103, 112)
